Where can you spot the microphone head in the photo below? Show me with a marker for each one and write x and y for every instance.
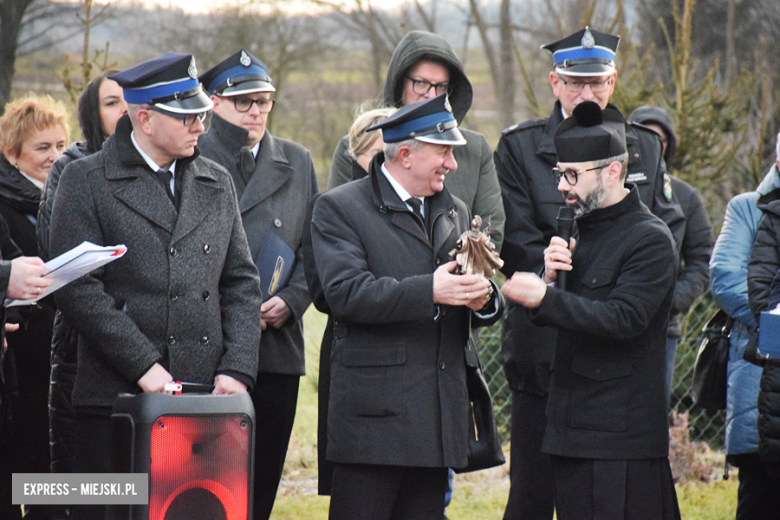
(566, 213)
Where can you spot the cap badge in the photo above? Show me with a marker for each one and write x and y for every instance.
(192, 70)
(587, 42)
(245, 60)
(447, 105)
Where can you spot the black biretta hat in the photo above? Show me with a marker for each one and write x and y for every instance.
(590, 134)
(169, 82)
(585, 53)
(241, 73)
(430, 121)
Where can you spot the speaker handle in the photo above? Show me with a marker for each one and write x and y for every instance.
(181, 387)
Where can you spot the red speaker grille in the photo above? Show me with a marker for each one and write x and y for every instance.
(197, 464)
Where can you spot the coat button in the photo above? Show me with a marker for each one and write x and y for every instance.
(206, 295)
(593, 281)
(173, 251)
(442, 365)
(174, 297)
(207, 249)
(204, 340)
(171, 340)
(277, 223)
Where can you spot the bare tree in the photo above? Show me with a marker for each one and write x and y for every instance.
(26, 27)
(381, 30)
(89, 19)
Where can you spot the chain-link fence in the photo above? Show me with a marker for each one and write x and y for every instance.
(704, 425)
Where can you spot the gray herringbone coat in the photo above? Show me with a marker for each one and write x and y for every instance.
(185, 294)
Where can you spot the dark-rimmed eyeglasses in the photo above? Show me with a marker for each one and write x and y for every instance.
(422, 87)
(186, 119)
(576, 85)
(244, 104)
(572, 176)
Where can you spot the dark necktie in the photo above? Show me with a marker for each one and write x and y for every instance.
(416, 203)
(164, 176)
(246, 163)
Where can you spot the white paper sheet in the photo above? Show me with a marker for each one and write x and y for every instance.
(74, 264)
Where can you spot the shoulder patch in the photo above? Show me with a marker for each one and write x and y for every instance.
(668, 187)
(529, 123)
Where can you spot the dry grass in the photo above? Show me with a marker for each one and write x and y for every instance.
(481, 495)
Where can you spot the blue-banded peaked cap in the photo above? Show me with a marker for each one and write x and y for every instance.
(430, 121)
(585, 53)
(169, 82)
(241, 73)
(590, 134)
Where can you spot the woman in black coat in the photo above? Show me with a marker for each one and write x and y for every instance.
(33, 134)
(100, 106)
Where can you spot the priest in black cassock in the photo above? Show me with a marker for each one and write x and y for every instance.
(606, 419)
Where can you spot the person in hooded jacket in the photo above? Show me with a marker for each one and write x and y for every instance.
(423, 66)
(696, 246)
(749, 388)
(100, 106)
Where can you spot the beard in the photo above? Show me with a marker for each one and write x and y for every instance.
(591, 201)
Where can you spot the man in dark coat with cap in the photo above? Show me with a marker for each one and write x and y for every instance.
(274, 181)
(583, 70)
(607, 430)
(183, 303)
(399, 404)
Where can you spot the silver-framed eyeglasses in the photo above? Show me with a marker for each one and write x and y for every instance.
(572, 176)
(576, 85)
(186, 119)
(422, 87)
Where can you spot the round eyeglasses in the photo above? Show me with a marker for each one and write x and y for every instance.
(572, 176)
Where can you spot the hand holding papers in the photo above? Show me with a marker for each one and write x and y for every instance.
(74, 264)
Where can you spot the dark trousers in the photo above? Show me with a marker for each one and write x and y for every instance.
(373, 492)
(275, 397)
(759, 494)
(93, 453)
(531, 490)
(587, 489)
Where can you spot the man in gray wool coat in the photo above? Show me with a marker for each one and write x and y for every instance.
(183, 303)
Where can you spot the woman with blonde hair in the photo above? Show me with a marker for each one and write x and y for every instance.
(33, 134)
(363, 146)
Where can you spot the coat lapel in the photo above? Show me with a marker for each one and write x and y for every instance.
(272, 171)
(146, 197)
(388, 200)
(200, 190)
(444, 212)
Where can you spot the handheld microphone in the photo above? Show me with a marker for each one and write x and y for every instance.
(565, 223)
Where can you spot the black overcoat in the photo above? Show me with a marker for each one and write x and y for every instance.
(398, 381)
(272, 198)
(524, 158)
(608, 391)
(185, 294)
